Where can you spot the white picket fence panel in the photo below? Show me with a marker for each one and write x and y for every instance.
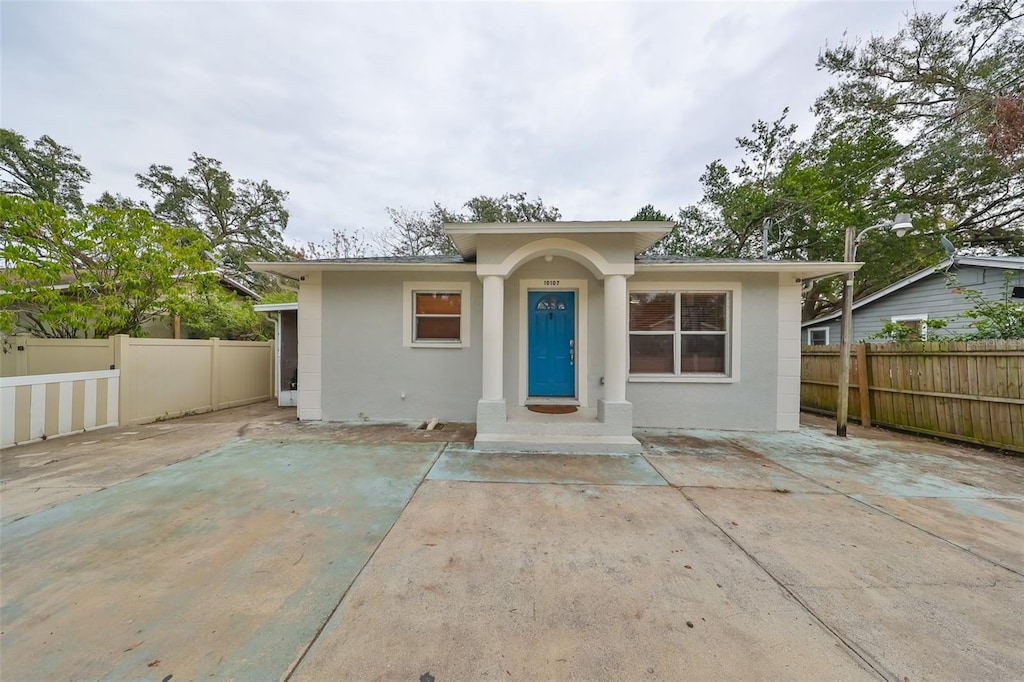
(50, 405)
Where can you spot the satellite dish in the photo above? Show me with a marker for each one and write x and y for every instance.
(947, 245)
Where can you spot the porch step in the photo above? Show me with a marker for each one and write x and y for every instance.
(580, 424)
(557, 443)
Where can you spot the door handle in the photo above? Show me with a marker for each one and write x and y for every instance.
(572, 356)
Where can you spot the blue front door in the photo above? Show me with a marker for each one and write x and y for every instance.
(552, 341)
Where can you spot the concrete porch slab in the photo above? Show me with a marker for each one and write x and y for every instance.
(468, 465)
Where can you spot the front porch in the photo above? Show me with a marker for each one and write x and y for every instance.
(596, 361)
(586, 431)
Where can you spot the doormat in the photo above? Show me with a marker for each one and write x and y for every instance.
(552, 409)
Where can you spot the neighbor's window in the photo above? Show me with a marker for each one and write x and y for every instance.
(679, 333)
(817, 336)
(438, 316)
(911, 327)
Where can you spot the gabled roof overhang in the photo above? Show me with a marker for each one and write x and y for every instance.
(801, 270)
(645, 233)
(297, 269)
(275, 307)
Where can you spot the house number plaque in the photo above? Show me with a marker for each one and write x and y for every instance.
(551, 282)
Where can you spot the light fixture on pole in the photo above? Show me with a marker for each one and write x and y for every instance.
(900, 227)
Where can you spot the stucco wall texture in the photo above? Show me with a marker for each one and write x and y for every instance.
(367, 369)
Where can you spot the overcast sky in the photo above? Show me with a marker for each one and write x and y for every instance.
(598, 108)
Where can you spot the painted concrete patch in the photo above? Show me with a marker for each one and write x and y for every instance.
(901, 468)
(467, 465)
(691, 462)
(224, 565)
(940, 611)
(496, 581)
(991, 527)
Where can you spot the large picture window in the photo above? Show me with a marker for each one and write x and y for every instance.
(680, 333)
(436, 314)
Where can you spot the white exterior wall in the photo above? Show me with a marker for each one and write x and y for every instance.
(788, 393)
(367, 371)
(367, 367)
(749, 404)
(310, 345)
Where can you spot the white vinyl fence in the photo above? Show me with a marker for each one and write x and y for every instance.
(48, 405)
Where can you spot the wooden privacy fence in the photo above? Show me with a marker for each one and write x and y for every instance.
(969, 391)
(45, 392)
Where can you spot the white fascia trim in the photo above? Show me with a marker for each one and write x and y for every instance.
(906, 281)
(298, 269)
(1007, 263)
(648, 232)
(736, 316)
(809, 270)
(560, 226)
(407, 313)
(275, 307)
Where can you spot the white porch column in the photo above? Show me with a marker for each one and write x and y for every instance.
(616, 312)
(493, 336)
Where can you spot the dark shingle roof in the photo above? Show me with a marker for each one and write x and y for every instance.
(442, 259)
(644, 260)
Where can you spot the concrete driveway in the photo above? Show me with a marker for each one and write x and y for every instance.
(242, 545)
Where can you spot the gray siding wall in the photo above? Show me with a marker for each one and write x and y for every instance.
(365, 366)
(926, 296)
(749, 404)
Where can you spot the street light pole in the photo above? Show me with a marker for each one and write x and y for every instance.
(900, 226)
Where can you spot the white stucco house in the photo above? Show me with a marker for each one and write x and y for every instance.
(552, 313)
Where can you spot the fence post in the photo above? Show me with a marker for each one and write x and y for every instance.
(863, 384)
(214, 374)
(124, 389)
(20, 356)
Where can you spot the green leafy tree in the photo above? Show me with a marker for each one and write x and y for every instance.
(508, 208)
(956, 91)
(43, 171)
(419, 233)
(242, 220)
(95, 273)
(901, 331)
(209, 311)
(339, 244)
(649, 213)
(280, 296)
(992, 318)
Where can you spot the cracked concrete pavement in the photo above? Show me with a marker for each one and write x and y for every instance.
(244, 545)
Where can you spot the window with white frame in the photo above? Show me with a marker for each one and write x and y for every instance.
(436, 314)
(680, 333)
(916, 325)
(817, 336)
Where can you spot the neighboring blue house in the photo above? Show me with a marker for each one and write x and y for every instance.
(920, 297)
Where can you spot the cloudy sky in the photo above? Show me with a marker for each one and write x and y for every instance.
(599, 108)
